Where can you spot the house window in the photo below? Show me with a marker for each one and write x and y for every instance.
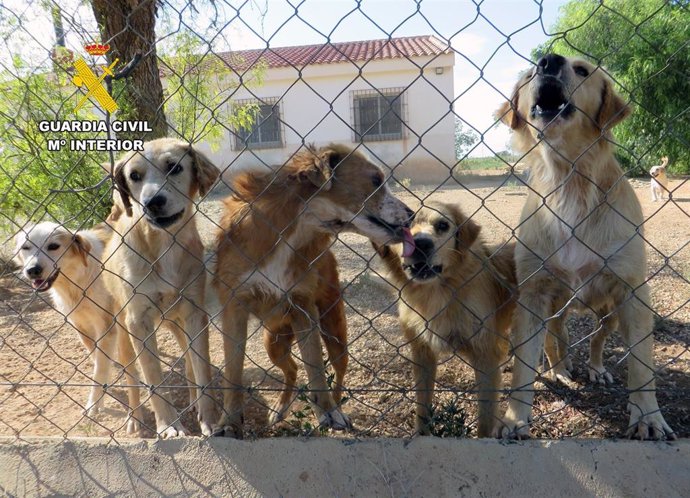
(378, 114)
(266, 129)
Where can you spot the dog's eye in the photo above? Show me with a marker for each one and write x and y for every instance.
(441, 226)
(377, 181)
(135, 176)
(53, 246)
(25, 248)
(581, 70)
(174, 168)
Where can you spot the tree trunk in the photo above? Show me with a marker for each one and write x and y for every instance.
(129, 27)
(56, 13)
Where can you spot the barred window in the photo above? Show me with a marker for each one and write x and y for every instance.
(266, 131)
(378, 114)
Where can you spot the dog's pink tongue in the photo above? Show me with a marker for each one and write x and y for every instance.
(408, 243)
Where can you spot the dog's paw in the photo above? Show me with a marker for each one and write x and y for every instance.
(599, 375)
(561, 375)
(336, 420)
(231, 431)
(228, 427)
(650, 426)
(173, 430)
(133, 426)
(512, 427)
(207, 429)
(278, 411)
(93, 407)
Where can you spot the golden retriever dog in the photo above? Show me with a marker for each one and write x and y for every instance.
(580, 233)
(659, 183)
(456, 294)
(155, 267)
(274, 262)
(68, 266)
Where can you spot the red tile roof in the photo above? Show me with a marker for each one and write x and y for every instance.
(330, 53)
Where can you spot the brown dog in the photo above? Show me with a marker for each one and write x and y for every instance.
(456, 294)
(155, 267)
(279, 336)
(274, 262)
(580, 231)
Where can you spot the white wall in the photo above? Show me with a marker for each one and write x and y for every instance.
(326, 466)
(306, 111)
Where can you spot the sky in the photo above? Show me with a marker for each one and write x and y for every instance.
(492, 38)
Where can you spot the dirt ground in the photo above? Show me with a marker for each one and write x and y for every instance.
(45, 373)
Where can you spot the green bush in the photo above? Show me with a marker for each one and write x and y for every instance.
(30, 174)
(448, 419)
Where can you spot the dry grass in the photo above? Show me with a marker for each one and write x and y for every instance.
(49, 371)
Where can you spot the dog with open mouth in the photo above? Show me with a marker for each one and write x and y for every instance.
(274, 261)
(580, 232)
(456, 295)
(156, 270)
(68, 266)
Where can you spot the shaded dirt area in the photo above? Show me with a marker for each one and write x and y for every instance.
(45, 372)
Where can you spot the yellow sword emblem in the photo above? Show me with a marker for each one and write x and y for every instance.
(93, 84)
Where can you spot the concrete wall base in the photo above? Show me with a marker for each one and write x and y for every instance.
(334, 467)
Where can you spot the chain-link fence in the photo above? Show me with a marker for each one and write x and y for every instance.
(280, 214)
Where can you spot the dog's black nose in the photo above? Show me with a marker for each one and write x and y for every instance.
(156, 203)
(423, 246)
(550, 64)
(34, 271)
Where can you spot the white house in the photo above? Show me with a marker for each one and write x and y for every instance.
(394, 96)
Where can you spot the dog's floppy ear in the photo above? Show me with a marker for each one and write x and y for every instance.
(82, 247)
(467, 231)
(116, 210)
(118, 175)
(613, 108)
(205, 172)
(508, 113)
(316, 166)
(19, 241)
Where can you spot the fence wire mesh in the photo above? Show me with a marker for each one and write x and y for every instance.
(114, 262)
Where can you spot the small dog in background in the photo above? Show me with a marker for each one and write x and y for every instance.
(659, 183)
(69, 267)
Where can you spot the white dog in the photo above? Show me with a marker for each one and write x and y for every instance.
(69, 267)
(659, 183)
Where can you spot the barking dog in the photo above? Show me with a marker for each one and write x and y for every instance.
(659, 183)
(580, 231)
(69, 267)
(156, 270)
(456, 295)
(274, 262)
